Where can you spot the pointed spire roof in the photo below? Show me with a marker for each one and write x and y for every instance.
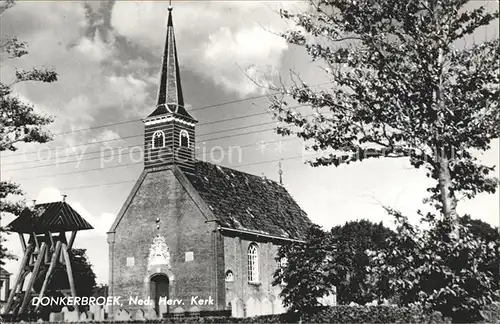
(170, 99)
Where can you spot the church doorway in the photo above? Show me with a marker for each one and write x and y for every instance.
(159, 292)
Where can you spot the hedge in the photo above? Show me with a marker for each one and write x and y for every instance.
(354, 314)
(374, 314)
(336, 314)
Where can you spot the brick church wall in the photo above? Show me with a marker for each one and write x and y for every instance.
(252, 299)
(184, 227)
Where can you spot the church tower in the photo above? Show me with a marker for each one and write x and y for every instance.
(169, 136)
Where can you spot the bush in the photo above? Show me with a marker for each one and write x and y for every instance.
(352, 314)
(491, 313)
(375, 314)
(444, 267)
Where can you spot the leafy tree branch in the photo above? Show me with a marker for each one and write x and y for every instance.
(399, 87)
(19, 121)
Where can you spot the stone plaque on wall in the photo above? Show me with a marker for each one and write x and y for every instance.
(159, 253)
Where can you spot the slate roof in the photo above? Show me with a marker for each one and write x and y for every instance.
(170, 90)
(53, 217)
(176, 110)
(248, 202)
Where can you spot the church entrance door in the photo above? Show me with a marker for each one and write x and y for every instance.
(159, 290)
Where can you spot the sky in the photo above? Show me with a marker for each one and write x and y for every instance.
(108, 56)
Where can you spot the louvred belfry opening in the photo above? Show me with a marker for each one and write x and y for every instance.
(170, 121)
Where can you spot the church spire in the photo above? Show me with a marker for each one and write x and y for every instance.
(170, 91)
(170, 98)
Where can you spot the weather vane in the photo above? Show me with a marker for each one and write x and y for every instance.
(280, 172)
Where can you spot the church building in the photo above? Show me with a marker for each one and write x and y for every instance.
(194, 236)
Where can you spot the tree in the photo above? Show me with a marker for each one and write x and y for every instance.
(83, 275)
(332, 259)
(489, 235)
(306, 274)
(350, 261)
(399, 87)
(438, 271)
(481, 229)
(19, 122)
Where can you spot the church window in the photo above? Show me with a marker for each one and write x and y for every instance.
(189, 256)
(253, 263)
(184, 138)
(130, 261)
(158, 139)
(229, 275)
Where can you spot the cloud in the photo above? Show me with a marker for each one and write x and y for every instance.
(106, 135)
(47, 195)
(35, 23)
(94, 82)
(101, 224)
(128, 88)
(94, 49)
(109, 96)
(225, 51)
(255, 51)
(74, 144)
(75, 109)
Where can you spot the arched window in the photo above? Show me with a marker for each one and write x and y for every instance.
(283, 262)
(184, 138)
(229, 275)
(158, 139)
(253, 263)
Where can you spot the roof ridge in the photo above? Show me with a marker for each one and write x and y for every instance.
(47, 203)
